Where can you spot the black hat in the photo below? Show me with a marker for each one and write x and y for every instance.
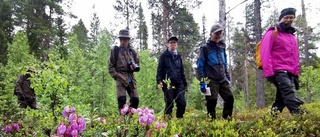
(124, 34)
(287, 11)
(173, 38)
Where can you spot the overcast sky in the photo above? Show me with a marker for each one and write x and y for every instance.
(210, 8)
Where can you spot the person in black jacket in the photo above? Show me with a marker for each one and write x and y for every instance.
(171, 78)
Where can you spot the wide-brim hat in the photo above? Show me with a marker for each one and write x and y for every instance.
(31, 69)
(124, 34)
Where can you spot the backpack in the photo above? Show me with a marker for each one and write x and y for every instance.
(257, 56)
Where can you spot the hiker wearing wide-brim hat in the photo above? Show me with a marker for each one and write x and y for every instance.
(123, 62)
(279, 54)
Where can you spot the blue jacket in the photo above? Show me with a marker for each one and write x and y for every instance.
(212, 62)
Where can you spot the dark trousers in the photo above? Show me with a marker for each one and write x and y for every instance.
(32, 103)
(133, 94)
(172, 95)
(285, 93)
(224, 90)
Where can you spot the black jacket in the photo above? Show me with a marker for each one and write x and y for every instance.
(23, 88)
(171, 67)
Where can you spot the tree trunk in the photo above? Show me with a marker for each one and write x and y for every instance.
(165, 15)
(127, 14)
(102, 91)
(222, 16)
(222, 21)
(305, 34)
(260, 100)
(246, 80)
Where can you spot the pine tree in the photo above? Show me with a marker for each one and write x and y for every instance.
(94, 29)
(82, 35)
(60, 39)
(127, 10)
(164, 11)
(37, 17)
(6, 29)
(142, 34)
(307, 39)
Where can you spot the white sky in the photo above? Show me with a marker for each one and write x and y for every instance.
(210, 8)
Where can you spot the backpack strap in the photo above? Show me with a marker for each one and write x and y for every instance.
(205, 52)
(133, 52)
(205, 56)
(275, 32)
(115, 55)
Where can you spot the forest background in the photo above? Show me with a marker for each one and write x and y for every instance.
(70, 53)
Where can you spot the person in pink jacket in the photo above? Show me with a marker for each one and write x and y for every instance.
(280, 62)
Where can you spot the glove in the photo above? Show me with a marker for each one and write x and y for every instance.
(296, 82)
(203, 86)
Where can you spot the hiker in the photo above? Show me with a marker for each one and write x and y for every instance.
(123, 62)
(280, 62)
(212, 64)
(170, 69)
(24, 92)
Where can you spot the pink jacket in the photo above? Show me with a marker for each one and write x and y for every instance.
(279, 53)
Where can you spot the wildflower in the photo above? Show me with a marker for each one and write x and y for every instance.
(74, 133)
(157, 125)
(81, 120)
(72, 110)
(15, 127)
(74, 125)
(8, 128)
(69, 129)
(65, 111)
(164, 125)
(133, 110)
(72, 117)
(124, 110)
(104, 121)
(61, 129)
(81, 127)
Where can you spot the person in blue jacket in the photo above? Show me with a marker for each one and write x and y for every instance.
(212, 64)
